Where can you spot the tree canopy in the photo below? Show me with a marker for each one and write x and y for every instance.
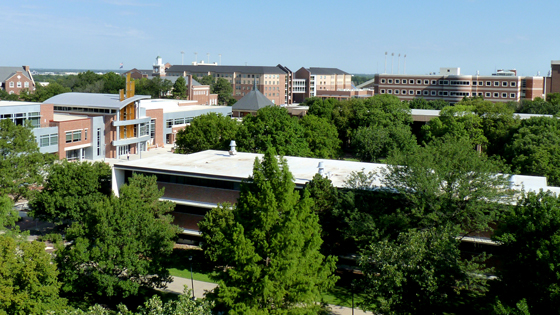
(207, 132)
(321, 137)
(269, 244)
(180, 88)
(120, 245)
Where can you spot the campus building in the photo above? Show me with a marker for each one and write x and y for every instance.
(451, 86)
(200, 181)
(93, 126)
(318, 81)
(14, 79)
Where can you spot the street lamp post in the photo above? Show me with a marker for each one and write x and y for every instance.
(192, 280)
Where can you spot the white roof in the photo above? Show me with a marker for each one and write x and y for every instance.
(67, 117)
(17, 103)
(93, 100)
(173, 105)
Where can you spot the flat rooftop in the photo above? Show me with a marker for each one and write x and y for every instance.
(221, 165)
(173, 105)
(17, 103)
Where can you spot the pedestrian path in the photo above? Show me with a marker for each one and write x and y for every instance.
(200, 287)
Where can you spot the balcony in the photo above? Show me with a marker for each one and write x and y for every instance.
(117, 123)
(130, 140)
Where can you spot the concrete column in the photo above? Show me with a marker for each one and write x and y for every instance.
(80, 154)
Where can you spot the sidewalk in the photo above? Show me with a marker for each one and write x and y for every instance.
(200, 287)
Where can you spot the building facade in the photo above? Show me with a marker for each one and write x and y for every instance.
(503, 86)
(15, 79)
(319, 80)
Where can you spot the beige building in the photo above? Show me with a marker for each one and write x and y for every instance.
(319, 80)
(503, 86)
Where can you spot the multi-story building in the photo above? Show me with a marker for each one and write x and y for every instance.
(94, 126)
(14, 79)
(451, 86)
(318, 80)
(553, 80)
(273, 82)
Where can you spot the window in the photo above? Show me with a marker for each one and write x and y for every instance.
(496, 83)
(418, 92)
(488, 83)
(169, 123)
(504, 95)
(397, 91)
(426, 82)
(68, 136)
(411, 92)
(433, 93)
(404, 81)
(11, 84)
(77, 136)
(397, 81)
(390, 81)
(496, 94)
(44, 141)
(504, 83)
(389, 91)
(54, 139)
(512, 95)
(418, 81)
(474, 83)
(434, 82)
(382, 80)
(98, 141)
(85, 134)
(19, 84)
(26, 84)
(512, 83)
(382, 91)
(426, 92)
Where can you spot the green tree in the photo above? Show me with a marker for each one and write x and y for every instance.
(420, 272)
(457, 121)
(325, 201)
(223, 88)
(373, 143)
(180, 88)
(207, 132)
(269, 242)
(272, 126)
(21, 163)
(533, 148)
(321, 137)
(112, 83)
(539, 106)
(447, 182)
(69, 191)
(28, 278)
(530, 253)
(121, 245)
(206, 80)
(8, 215)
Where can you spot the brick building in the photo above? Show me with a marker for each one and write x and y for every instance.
(449, 85)
(14, 79)
(311, 82)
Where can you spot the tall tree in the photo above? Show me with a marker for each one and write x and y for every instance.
(456, 121)
(113, 82)
(373, 143)
(530, 253)
(121, 245)
(269, 244)
(321, 137)
(28, 278)
(223, 88)
(207, 132)
(21, 163)
(69, 191)
(180, 88)
(272, 126)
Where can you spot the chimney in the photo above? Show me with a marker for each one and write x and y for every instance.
(26, 68)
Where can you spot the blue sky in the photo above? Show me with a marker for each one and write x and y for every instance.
(350, 35)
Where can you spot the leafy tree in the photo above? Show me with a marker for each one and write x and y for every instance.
(206, 80)
(180, 88)
(8, 215)
(530, 253)
(422, 270)
(381, 110)
(539, 106)
(373, 143)
(272, 126)
(44, 93)
(207, 132)
(28, 278)
(89, 82)
(121, 245)
(21, 163)
(69, 191)
(321, 137)
(447, 182)
(325, 201)
(457, 121)
(223, 88)
(269, 244)
(113, 82)
(533, 148)
(320, 108)
(421, 103)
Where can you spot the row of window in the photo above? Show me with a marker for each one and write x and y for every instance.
(446, 93)
(25, 84)
(85, 110)
(76, 135)
(48, 140)
(177, 121)
(448, 82)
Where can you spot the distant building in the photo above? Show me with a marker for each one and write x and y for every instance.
(553, 81)
(321, 82)
(503, 86)
(15, 79)
(250, 103)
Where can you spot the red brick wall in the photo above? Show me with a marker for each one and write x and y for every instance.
(157, 114)
(22, 79)
(64, 126)
(47, 113)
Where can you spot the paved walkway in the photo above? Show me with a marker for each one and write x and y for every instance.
(201, 287)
